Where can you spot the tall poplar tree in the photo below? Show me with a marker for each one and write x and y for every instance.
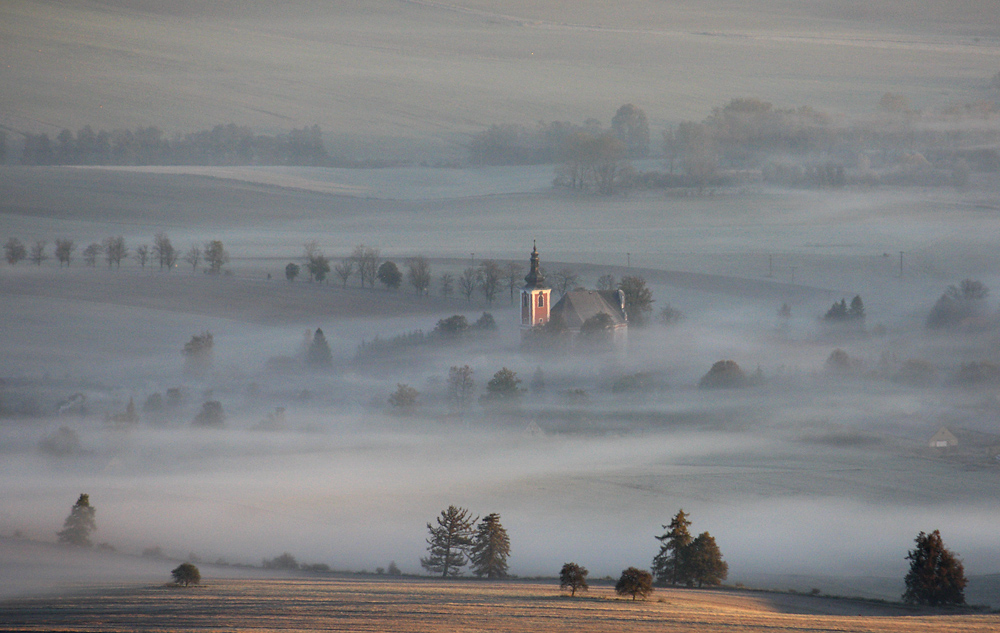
(670, 565)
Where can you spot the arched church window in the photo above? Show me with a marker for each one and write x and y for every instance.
(541, 301)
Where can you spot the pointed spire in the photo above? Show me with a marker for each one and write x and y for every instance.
(534, 278)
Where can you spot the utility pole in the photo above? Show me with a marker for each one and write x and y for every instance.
(770, 266)
(900, 264)
(793, 273)
(628, 260)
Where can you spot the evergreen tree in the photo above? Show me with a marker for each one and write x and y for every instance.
(449, 542)
(704, 561)
(857, 310)
(573, 577)
(490, 548)
(936, 576)
(319, 354)
(79, 524)
(670, 565)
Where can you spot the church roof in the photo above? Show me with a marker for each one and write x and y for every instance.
(576, 306)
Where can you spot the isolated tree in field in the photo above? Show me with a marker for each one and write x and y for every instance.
(389, 276)
(115, 250)
(142, 254)
(566, 279)
(704, 561)
(14, 251)
(418, 273)
(512, 278)
(634, 582)
(344, 269)
(490, 548)
(936, 577)
(638, 299)
(607, 282)
(404, 399)
(447, 282)
(449, 542)
(79, 524)
(670, 564)
(37, 252)
(91, 253)
(488, 277)
(193, 257)
(460, 386)
(452, 327)
(198, 353)
(631, 127)
(291, 271)
(186, 574)
(319, 354)
(317, 265)
(573, 577)
(467, 283)
(215, 256)
(164, 251)
(503, 387)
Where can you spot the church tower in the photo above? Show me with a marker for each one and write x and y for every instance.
(535, 296)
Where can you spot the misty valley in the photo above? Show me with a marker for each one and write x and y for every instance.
(459, 316)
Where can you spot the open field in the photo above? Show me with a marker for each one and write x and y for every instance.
(431, 606)
(414, 78)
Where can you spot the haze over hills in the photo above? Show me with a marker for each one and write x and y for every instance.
(412, 78)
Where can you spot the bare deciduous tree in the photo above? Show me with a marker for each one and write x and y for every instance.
(467, 283)
(14, 251)
(215, 256)
(513, 278)
(488, 277)
(142, 253)
(193, 257)
(64, 251)
(91, 253)
(565, 280)
(344, 270)
(418, 273)
(164, 251)
(115, 251)
(447, 284)
(37, 253)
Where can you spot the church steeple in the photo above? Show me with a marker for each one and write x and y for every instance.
(534, 278)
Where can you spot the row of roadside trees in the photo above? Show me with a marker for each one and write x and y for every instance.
(114, 250)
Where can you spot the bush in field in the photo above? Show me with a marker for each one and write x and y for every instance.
(291, 271)
(958, 303)
(724, 374)
(79, 524)
(573, 577)
(186, 574)
(936, 577)
(634, 582)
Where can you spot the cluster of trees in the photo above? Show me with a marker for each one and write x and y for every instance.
(842, 314)
(460, 387)
(222, 145)
(114, 251)
(959, 305)
(687, 561)
(456, 541)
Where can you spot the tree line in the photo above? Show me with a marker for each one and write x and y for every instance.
(114, 250)
(222, 145)
(455, 540)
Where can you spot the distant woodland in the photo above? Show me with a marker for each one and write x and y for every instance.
(799, 146)
(222, 145)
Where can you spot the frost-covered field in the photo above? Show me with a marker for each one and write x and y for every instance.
(412, 606)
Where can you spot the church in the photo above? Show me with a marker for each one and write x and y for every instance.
(573, 310)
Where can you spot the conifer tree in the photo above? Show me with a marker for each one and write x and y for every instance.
(449, 542)
(670, 565)
(319, 354)
(490, 548)
(936, 576)
(79, 524)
